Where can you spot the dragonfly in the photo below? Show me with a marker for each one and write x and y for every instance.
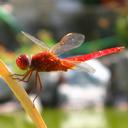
(49, 59)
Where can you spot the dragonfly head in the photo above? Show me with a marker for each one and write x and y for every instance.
(23, 62)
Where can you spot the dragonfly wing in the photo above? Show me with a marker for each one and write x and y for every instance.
(79, 61)
(85, 67)
(82, 66)
(68, 42)
(36, 41)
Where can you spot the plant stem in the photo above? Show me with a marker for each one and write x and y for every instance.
(22, 96)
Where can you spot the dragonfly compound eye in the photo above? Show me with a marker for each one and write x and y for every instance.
(23, 62)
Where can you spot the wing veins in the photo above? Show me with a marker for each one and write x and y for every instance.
(35, 40)
(68, 42)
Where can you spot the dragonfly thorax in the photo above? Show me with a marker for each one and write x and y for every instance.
(23, 61)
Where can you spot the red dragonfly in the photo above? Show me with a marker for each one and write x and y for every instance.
(48, 59)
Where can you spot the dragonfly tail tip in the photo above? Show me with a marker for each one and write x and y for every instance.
(121, 48)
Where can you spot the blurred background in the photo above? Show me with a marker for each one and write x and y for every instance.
(74, 99)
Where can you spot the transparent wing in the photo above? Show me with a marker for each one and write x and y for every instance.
(36, 41)
(85, 67)
(68, 42)
(82, 66)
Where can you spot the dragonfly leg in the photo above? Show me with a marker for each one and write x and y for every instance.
(38, 85)
(26, 76)
(16, 76)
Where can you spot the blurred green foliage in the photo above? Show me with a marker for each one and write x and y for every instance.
(55, 117)
(15, 120)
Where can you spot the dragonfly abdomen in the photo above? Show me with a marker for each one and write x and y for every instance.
(95, 54)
